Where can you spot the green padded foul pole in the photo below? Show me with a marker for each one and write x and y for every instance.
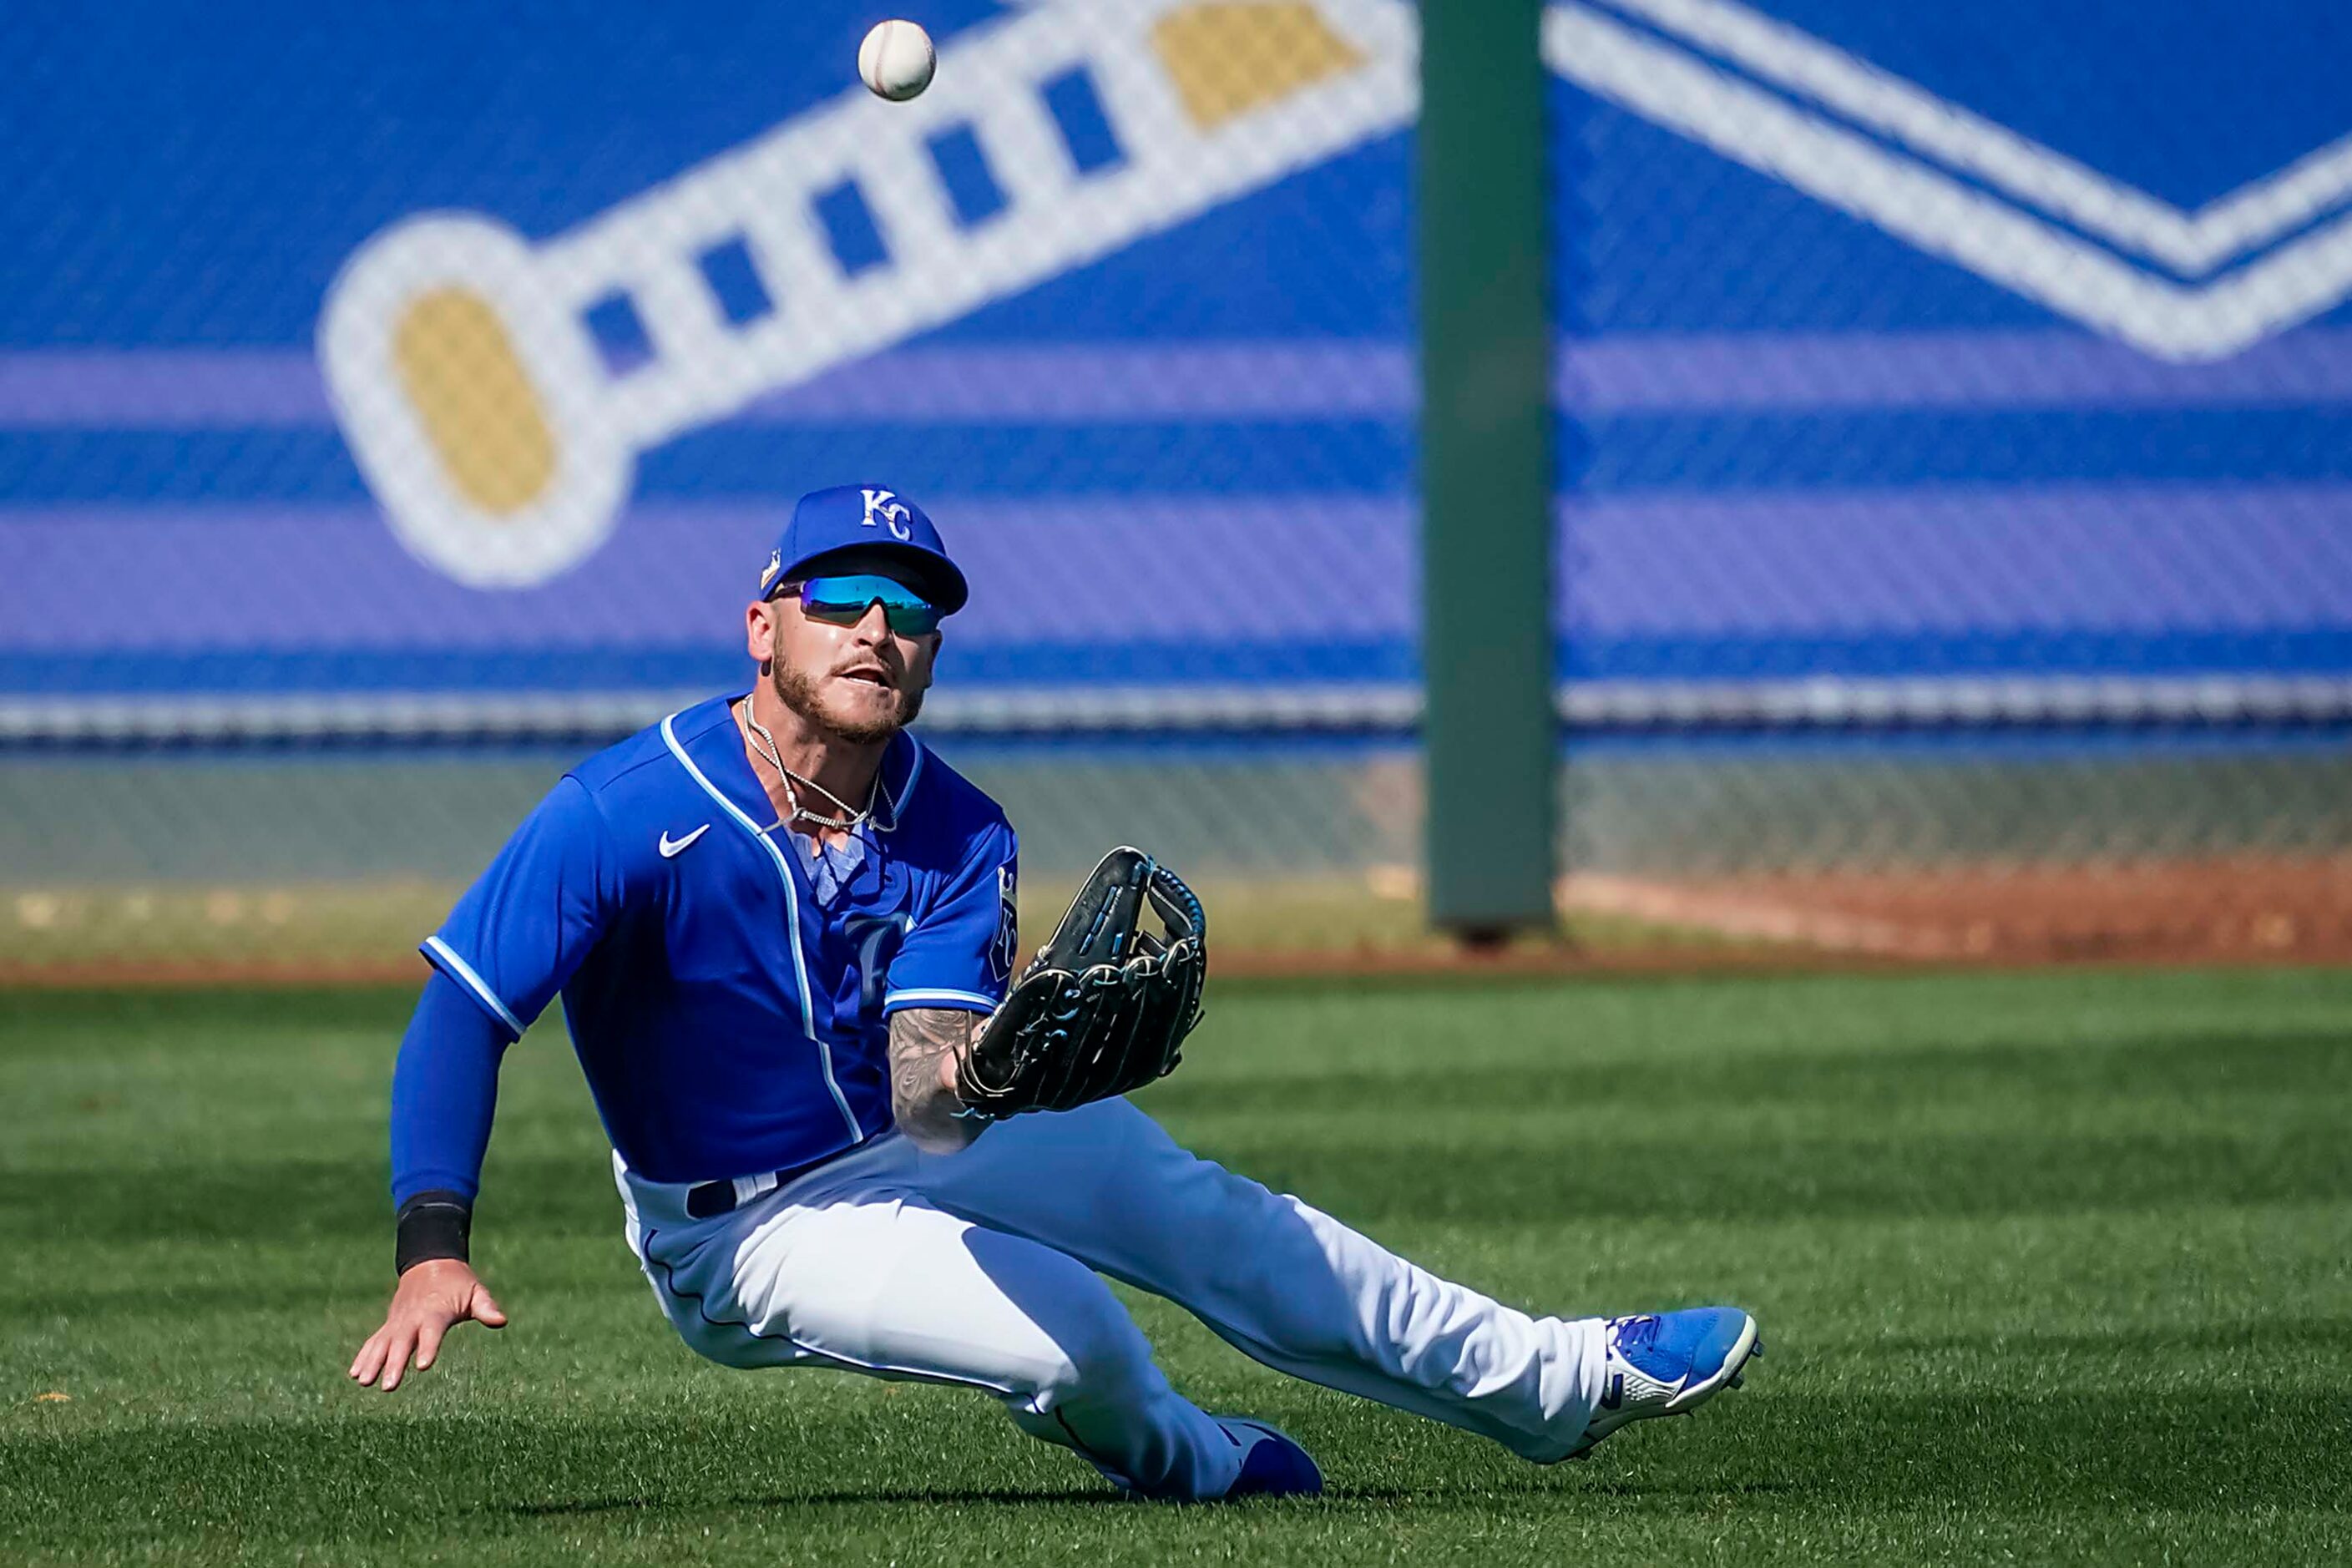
(1485, 364)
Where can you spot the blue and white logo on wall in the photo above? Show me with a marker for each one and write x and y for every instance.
(2179, 284)
(1912, 361)
(502, 442)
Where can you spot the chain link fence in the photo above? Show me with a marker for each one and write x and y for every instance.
(439, 419)
(1956, 548)
(1954, 556)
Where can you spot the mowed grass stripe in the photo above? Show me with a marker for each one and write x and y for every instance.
(1471, 1179)
(2050, 1266)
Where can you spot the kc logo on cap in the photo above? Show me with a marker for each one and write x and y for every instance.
(867, 517)
(884, 506)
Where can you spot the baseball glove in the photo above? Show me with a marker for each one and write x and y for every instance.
(1104, 1006)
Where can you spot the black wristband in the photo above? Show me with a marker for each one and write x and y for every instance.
(429, 1226)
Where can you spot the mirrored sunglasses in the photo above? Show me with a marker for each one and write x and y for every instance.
(844, 601)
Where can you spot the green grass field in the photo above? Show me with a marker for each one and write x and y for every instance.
(2051, 1267)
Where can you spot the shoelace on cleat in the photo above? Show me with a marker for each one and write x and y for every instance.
(1638, 1333)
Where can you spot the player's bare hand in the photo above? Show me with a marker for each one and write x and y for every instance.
(432, 1298)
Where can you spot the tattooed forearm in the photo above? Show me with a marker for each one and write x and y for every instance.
(923, 1044)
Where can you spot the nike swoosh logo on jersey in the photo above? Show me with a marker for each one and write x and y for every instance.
(671, 848)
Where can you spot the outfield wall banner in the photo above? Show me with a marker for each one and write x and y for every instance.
(444, 356)
(1937, 359)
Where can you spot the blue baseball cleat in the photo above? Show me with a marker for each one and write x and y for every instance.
(1272, 1465)
(1669, 1363)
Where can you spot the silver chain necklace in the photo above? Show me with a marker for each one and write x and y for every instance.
(765, 744)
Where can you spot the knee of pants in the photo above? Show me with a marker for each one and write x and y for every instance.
(1101, 1363)
(729, 1343)
(734, 1345)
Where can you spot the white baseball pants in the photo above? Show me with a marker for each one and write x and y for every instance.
(979, 1269)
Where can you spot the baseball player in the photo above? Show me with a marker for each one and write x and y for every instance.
(847, 1134)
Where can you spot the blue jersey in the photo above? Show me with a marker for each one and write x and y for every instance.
(728, 994)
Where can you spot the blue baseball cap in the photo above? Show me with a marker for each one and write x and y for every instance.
(865, 519)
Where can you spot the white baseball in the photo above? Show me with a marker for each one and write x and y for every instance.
(897, 60)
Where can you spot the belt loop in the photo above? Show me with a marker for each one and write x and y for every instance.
(711, 1199)
(750, 1187)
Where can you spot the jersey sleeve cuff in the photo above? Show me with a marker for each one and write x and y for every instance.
(954, 1001)
(444, 957)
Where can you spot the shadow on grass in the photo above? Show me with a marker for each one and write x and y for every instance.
(2181, 1451)
(1096, 1496)
(1685, 1489)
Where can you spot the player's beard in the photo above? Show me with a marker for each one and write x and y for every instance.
(796, 691)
